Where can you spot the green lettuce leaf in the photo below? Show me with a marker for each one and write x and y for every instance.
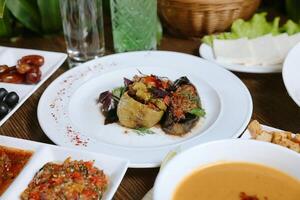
(290, 27)
(208, 39)
(255, 27)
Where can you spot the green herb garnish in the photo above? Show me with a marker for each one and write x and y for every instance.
(199, 112)
(143, 131)
(118, 92)
(192, 98)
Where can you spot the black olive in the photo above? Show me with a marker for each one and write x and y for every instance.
(11, 99)
(3, 93)
(3, 109)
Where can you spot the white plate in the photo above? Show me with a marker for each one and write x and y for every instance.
(207, 53)
(291, 74)
(247, 134)
(10, 56)
(68, 114)
(114, 167)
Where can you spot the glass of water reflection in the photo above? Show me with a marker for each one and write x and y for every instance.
(83, 29)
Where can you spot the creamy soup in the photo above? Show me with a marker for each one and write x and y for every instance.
(237, 181)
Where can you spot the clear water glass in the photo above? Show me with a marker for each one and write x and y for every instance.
(134, 24)
(83, 29)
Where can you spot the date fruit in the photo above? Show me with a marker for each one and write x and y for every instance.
(23, 68)
(35, 60)
(3, 68)
(33, 75)
(12, 78)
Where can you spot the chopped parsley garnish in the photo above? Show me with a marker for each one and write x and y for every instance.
(118, 92)
(143, 131)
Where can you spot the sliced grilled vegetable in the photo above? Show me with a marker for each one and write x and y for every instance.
(184, 110)
(134, 114)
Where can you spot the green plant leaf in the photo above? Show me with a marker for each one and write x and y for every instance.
(26, 13)
(6, 24)
(2, 6)
(50, 14)
(159, 33)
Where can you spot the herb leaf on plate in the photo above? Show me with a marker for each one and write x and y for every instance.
(199, 112)
(143, 131)
(118, 92)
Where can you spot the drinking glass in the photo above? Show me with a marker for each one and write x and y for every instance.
(83, 29)
(134, 24)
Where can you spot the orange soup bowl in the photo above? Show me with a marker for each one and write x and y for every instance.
(235, 151)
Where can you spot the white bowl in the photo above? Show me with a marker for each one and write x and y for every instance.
(290, 74)
(263, 153)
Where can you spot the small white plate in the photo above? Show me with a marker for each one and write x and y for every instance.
(206, 52)
(10, 56)
(69, 115)
(291, 74)
(247, 134)
(114, 167)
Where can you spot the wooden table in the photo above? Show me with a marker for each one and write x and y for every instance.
(272, 106)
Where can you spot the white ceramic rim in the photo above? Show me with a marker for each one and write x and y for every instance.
(285, 72)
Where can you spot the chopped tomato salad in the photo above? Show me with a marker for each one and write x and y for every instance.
(71, 180)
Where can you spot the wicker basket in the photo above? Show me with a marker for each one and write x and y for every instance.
(195, 18)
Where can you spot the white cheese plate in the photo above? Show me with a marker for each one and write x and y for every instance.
(206, 52)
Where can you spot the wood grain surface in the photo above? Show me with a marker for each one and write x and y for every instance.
(272, 105)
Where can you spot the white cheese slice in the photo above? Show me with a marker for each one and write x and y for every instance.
(282, 44)
(264, 51)
(232, 51)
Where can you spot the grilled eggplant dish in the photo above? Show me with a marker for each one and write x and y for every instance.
(149, 100)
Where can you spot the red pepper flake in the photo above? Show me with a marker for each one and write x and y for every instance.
(75, 138)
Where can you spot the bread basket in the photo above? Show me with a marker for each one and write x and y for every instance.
(195, 18)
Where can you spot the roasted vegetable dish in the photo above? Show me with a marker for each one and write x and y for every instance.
(149, 100)
(70, 180)
(12, 161)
